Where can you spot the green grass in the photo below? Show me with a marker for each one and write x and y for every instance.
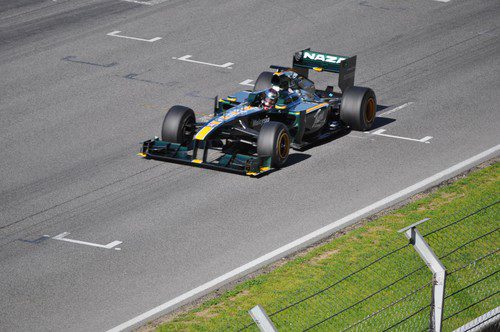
(326, 271)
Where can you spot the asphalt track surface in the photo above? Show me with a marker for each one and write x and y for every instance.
(75, 103)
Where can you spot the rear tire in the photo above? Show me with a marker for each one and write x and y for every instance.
(263, 82)
(178, 125)
(274, 141)
(358, 108)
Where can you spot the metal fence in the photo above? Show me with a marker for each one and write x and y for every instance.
(392, 291)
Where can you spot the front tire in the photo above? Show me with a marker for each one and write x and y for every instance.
(358, 108)
(178, 125)
(274, 141)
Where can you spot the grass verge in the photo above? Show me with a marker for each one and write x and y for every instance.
(369, 278)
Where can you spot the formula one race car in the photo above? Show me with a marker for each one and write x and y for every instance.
(250, 133)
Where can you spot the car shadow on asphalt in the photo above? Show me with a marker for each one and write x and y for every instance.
(380, 108)
(326, 140)
(381, 122)
(296, 157)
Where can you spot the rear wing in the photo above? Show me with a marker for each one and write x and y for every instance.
(345, 66)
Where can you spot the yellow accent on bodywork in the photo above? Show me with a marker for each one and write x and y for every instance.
(261, 170)
(280, 107)
(231, 99)
(318, 69)
(141, 154)
(197, 161)
(309, 110)
(203, 133)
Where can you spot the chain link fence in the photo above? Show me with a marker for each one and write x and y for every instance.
(392, 291)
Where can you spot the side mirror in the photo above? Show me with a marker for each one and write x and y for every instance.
(216, 105)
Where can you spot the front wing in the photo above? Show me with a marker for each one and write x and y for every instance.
(228, 162)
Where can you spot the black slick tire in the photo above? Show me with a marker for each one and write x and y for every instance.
(274, 141)
(263, 82)
(358, 108)
(178, 125)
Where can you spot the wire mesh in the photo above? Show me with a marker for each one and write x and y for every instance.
(392, 291)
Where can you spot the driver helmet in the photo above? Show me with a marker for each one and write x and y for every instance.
(270, 99)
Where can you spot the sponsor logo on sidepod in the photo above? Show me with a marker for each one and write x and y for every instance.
(259, 122)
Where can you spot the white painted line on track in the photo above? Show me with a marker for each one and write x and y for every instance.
(395, 109)
(188, 59)
(147, 3)
(360, 137)
(247, 82)
(442, 0)
(381, 132)
(305, 240)
(111, 245)
(139, 2)
(116, 34)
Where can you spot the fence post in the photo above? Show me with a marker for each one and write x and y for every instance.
(438, 273)
(260, 318)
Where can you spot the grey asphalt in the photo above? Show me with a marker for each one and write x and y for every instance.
(72, 117)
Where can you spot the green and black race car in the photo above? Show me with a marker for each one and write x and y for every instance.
(249, 135)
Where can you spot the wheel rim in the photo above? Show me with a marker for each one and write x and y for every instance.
(188, 128)
(370, 111)
(283, 145)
